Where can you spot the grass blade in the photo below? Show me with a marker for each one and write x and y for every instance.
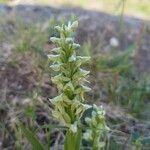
(32, 139)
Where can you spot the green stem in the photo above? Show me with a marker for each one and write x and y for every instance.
(95, 142)
(73, 140)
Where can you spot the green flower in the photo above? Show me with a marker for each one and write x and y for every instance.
(70, 79)
(97, 126)
(68, 106)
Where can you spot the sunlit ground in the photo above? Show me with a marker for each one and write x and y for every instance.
(136, 8)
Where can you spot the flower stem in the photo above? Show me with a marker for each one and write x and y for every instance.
(73, 140)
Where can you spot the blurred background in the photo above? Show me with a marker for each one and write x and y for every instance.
(137, 8)
(115, 33)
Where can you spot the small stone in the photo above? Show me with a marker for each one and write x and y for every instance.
(114, 42)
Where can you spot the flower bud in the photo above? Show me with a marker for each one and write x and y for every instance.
(74, 25)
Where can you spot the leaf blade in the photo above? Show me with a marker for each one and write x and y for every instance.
(32, 139)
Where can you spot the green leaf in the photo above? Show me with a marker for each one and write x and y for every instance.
(30, 111)
(54, 58)
(86, 88)
(80, 74)
(78, 139)
(75, 46)
(32, 139)
(55, 67)
(56, 50)
(69, 40)
(82, 60)
(64, 70)
(83, 88)
(65, 79)
(57, 79)
(58, 28)
(79, 111)
(57, 99)
(74, 25)
(83, 72)
(72, 58)
(66, 117)
(73, 140)
(69, 86)
(55, 40)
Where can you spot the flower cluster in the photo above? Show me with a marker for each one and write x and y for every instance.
(70, 80)
(97, 127)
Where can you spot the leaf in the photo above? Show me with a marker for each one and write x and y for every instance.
(58, 28)
(82, 88)
(79, 111)
(75, 46)
(52, 126)
(74, 25)
(73, 140)
(32, 139)
(54, 58)
(30, 111)
(64, 70)
(55, 67)
(69, 86)
(69, 40)
(75, 104)
(65, 79)
(66, 117)
(86, 88)
(78, 139)
(57, 99)
(82, 60)
(72, 58)
(56, 50)
(55, 40)
(57, 115)
(80, 74)
(57, 79)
